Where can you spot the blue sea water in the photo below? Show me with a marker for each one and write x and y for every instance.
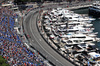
(81, 11)
(96, 23)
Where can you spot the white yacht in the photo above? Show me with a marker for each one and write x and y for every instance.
(94, 58)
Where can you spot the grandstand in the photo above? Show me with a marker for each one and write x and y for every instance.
(11, 46)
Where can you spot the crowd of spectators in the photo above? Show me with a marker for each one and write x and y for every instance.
(11, 46)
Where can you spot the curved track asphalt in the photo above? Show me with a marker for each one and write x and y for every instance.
(38, 42)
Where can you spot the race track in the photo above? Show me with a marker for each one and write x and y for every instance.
(38, 42)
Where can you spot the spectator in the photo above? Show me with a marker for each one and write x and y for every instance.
(11, 47)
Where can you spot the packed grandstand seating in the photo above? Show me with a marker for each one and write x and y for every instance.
(11, 46)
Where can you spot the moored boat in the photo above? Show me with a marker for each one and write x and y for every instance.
(94, 10)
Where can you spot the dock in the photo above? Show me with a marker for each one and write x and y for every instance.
(73, 5)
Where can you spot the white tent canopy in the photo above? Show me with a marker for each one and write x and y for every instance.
(6, 4)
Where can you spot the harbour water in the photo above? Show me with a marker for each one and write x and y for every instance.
(96, 23)
(81, 11)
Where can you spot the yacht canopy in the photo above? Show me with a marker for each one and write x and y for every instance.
(79, 35)
(94, 54)
(75, 39)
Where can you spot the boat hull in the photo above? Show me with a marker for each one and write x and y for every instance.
(94, 12)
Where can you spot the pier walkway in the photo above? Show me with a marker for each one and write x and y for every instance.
(72, 5)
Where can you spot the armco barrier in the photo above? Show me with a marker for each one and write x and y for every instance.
(28, 40)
